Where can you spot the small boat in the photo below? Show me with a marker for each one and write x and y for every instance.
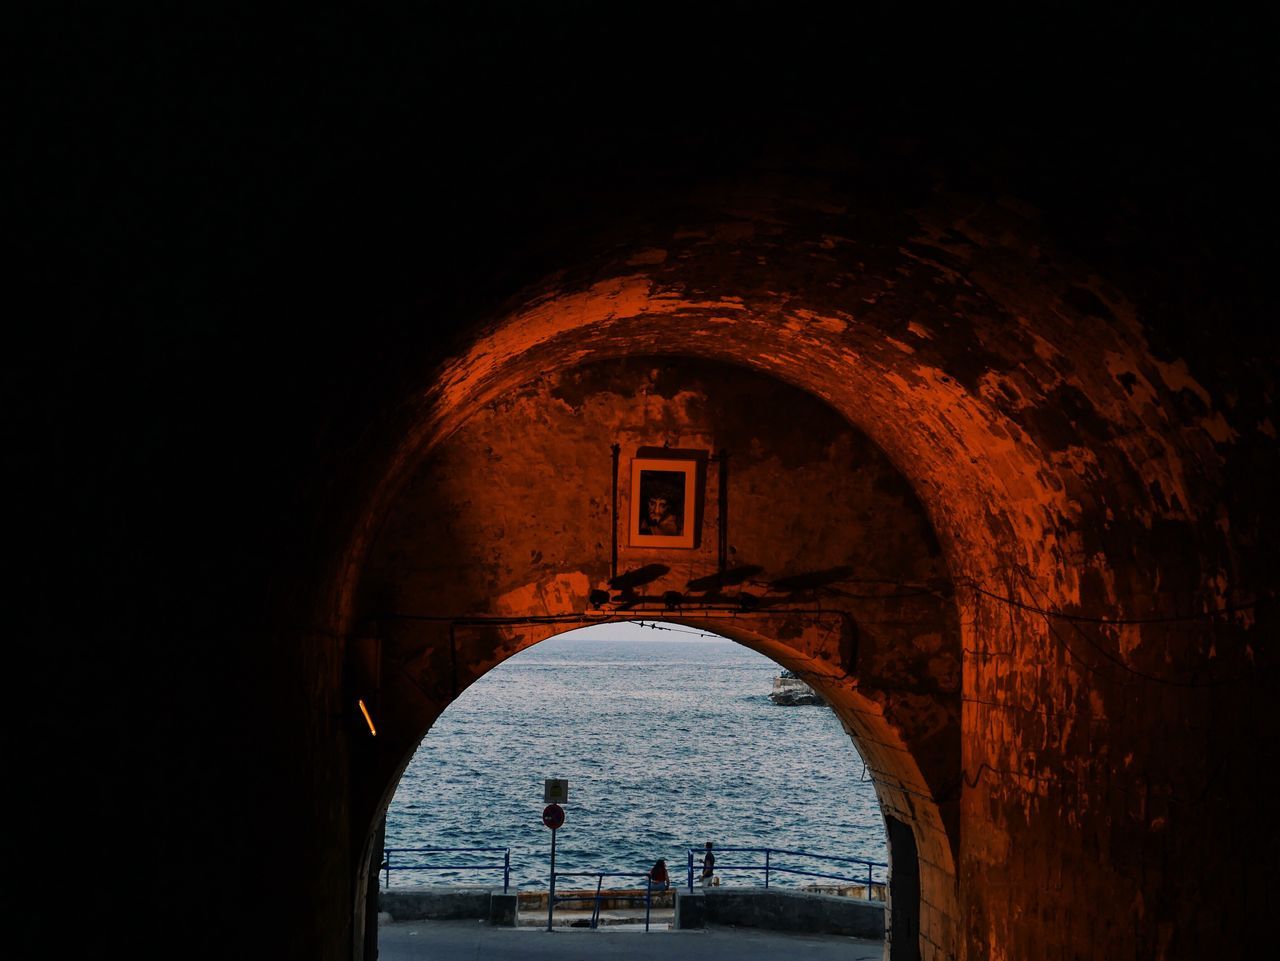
(790, 691)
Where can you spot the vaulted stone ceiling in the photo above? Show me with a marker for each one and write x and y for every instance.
(1024, 253)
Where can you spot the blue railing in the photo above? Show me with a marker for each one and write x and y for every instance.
(553, 899)
(771, 866)
(415, 863)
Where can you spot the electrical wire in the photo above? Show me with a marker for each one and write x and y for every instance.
(1117, 621)
(677, 630)
(1118, 662)
(1041, 609)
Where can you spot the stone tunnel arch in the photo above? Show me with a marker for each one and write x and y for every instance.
(499, 538)
(1023, 408)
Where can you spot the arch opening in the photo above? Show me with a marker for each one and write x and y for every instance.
(814, 552)
(668, 738)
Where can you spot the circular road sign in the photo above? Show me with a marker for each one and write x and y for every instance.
(553, 816)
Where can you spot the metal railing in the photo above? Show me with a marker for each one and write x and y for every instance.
(553, 899)
(770, 866)
(390, 854)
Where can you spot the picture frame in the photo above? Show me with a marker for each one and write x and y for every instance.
(666, 498)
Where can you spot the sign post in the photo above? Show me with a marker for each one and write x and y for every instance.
(552, 817)
(555, 792)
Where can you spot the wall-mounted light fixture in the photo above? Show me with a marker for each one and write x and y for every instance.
(364, 710)
(364, 680)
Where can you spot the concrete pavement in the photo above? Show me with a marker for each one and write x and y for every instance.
(477, 941)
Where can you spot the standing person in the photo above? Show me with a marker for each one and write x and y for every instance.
(658, 877)
(708, 866)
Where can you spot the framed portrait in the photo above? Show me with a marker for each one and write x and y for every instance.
(665, 498)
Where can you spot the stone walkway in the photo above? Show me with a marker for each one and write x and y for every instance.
(477, 941)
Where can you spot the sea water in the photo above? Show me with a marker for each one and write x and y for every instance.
(668, 740)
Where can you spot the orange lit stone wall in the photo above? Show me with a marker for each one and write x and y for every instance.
(512, 517)
(1066, 465)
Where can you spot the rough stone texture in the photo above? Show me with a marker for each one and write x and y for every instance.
(778, 910)
(1064, 465)
(511, 518)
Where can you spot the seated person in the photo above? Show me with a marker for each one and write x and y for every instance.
(658, 878)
